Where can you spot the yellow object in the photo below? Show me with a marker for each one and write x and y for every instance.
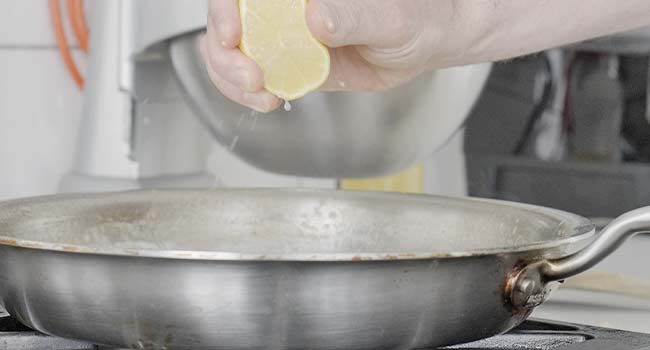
(409, 181)
(276, 36)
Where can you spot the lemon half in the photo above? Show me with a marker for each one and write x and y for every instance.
(276, 36)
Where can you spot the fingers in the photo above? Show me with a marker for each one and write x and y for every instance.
(221, 52)
(233, 65)
(259, 100)
(361, 22)
(341, 24)
(238, 77)
(224, 22)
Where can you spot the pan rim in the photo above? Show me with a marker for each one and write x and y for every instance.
(579, 227)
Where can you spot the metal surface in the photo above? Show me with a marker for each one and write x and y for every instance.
(538, 334)
(287, 268)
(284, 225)
(339, 135)
(271, 268)
(530, 286)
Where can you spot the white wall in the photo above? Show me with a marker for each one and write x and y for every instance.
(39, 103)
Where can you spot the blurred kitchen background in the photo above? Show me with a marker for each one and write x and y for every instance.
(568, 128)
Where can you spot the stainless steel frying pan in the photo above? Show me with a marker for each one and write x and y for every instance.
(287, 269)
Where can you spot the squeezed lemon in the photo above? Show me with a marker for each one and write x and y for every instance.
(276, 36)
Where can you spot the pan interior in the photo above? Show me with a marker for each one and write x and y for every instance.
(280, 222)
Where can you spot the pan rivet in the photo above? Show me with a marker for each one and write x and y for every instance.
(527, 286)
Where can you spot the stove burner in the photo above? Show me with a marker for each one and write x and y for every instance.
(15, 336)
(546, 335)
(531, 335)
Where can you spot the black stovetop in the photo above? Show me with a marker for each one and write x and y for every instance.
(545, 335)
(531, 335)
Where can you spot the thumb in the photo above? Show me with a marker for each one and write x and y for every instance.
(357, 22)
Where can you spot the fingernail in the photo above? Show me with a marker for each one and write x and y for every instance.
(242, 78)
(329, 17)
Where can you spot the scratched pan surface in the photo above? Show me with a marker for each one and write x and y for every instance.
(281, 269)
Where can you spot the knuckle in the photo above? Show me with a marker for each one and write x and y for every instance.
(402, 21)
(347, 20)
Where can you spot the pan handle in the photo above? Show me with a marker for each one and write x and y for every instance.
(530, 286)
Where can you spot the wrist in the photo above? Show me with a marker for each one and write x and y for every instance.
(463, 38)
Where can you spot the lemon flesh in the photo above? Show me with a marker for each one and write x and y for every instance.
(276, 36)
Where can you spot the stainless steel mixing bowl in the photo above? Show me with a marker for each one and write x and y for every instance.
(334, 134)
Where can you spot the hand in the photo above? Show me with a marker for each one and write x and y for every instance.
(374, 45)
(238, 77)
(379, 44)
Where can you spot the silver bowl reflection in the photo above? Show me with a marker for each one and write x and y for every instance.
(334, 134)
